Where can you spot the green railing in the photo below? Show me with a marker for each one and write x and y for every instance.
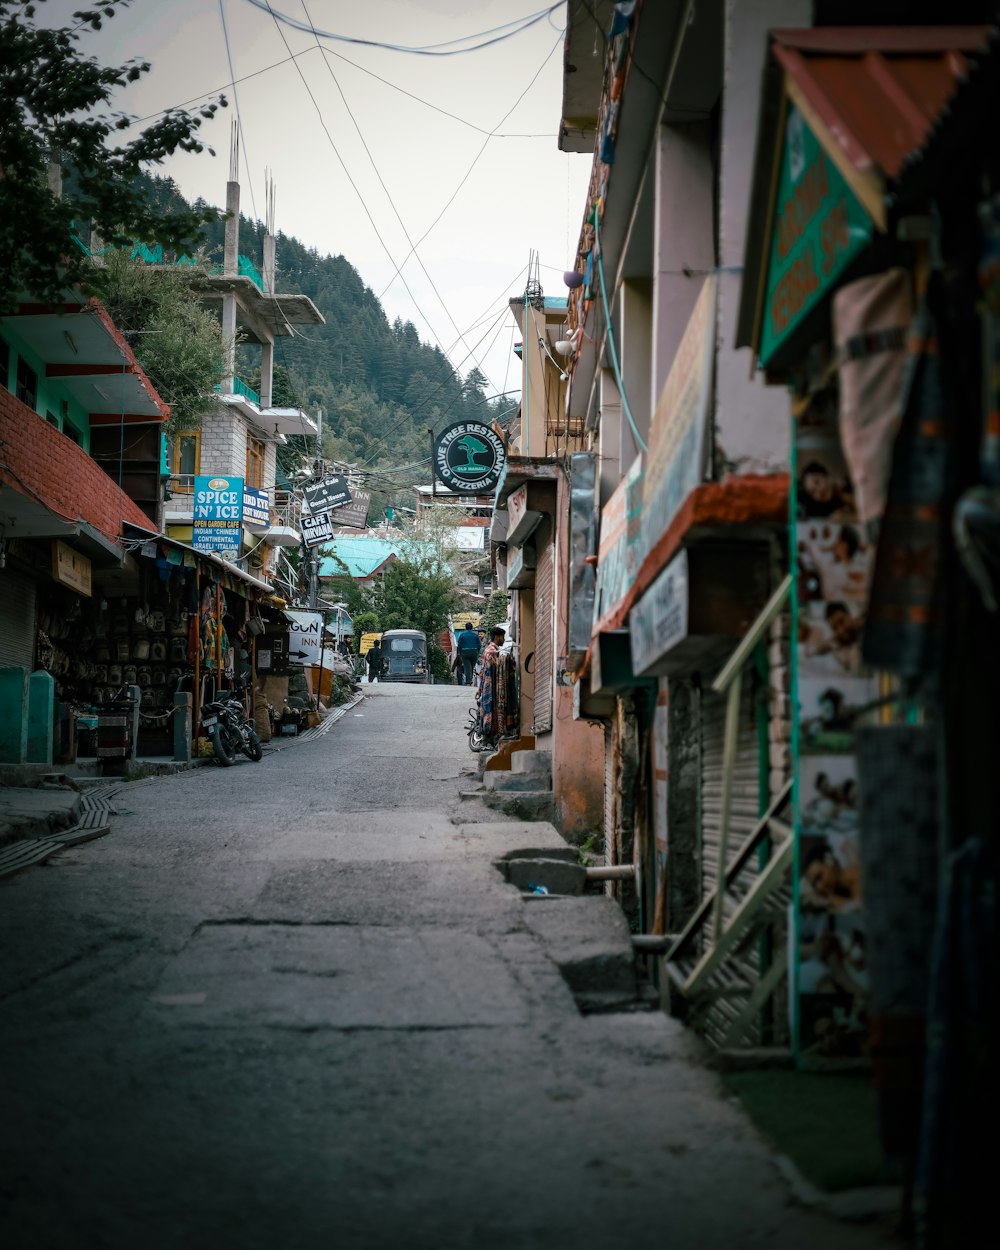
(241, 388)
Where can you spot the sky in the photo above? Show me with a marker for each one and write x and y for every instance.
(373, 151)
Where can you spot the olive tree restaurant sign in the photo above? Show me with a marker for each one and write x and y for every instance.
(217, 525)
(469, 457)
(819, 228)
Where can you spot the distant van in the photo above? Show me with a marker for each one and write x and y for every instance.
(404, 654)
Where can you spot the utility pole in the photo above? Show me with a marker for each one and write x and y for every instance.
(314, 551)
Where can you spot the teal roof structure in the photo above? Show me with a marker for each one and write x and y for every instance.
(361, 555)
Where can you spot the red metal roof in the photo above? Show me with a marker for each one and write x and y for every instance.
(878, 90)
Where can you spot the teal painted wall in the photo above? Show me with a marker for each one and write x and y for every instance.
(51, 393)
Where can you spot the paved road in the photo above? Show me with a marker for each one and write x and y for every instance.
(293, 1005)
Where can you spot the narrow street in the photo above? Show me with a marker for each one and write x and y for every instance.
(295, 1005)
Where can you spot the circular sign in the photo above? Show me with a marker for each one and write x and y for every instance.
(469, 457)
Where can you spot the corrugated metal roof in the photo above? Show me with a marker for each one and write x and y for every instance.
(878, 90)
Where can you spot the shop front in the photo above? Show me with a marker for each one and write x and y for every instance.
(863, 294)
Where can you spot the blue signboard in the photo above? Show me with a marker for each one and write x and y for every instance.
(218, 515)
(256, 505)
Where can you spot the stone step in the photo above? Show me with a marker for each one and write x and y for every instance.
(517, 781)
(531, 762)
(558, 876)
(524, 804)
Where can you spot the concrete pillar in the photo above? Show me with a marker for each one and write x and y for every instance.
(13, 715)
(230, 264)
(269, 264)
(610, 467)
(41, 714)
(229, 341)
(636, 356)
(683, 243)
(182, 727)
(266, 374)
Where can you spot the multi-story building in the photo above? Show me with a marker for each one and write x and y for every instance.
(240, 434)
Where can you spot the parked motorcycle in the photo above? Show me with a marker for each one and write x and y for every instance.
(225, 722)
(477, 742)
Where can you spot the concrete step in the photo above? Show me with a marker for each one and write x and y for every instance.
(524, 804)
(517, 781)
(558, 876)
(531, 762)
(589, 941)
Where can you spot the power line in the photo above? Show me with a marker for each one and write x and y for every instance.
(388, 196)
(475, 162)
(508, 31)
(236, 101)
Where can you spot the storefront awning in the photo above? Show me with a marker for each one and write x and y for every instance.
(205, 557)
(842, 109)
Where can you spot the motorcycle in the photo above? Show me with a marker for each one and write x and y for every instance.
(225, 722)
(477, 740)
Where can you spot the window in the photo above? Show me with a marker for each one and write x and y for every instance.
(4, 364)
(255, 462)
(186, 461)
(73, 433)
(27, 383)
(51, 417)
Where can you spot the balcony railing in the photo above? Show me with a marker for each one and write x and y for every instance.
(241, 388)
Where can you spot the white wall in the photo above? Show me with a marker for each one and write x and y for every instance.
(751, 418)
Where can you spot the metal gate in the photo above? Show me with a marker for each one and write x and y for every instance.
(17, 620)
(544, 581)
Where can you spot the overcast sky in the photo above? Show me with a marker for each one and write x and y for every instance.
(340, 120)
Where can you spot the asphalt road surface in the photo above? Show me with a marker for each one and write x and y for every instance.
(293, 1005)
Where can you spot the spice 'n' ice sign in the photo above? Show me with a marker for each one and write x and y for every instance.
(218, 515)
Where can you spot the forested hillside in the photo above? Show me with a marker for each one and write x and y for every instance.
(379, 386)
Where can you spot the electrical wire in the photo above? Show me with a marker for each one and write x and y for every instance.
(354, 186)
(236, 101)
(388, 196)
(611, 337)
(475, 162)
(446, 48)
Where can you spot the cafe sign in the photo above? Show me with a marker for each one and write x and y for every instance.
(819, 228)
(469, 457)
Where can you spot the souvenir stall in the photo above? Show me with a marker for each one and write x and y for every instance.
(870, 292)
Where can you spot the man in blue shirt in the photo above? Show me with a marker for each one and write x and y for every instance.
(468, 651)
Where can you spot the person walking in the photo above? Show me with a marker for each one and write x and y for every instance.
(374, 661)
(468, 651)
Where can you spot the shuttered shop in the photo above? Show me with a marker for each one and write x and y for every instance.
(17, 620)
(544, 581)
(744, 809)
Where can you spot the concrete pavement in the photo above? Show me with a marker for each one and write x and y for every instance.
(295, 1004)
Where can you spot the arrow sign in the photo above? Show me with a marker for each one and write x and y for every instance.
(305, 632)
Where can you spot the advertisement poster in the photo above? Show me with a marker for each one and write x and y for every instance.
(834, 691)
(217, 525)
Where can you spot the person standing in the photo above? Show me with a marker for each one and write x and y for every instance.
(488, 694)
(374, 661)
(468, 651)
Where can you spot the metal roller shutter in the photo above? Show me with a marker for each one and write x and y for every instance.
(544, 579)
(745, 811)
(17, 620)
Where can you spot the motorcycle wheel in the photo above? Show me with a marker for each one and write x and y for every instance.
(253, 750)
(225, 751)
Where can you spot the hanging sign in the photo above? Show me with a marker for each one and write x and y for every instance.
(218, 515)
(316, 529)
(678, 434)
(305, 638)
(70, 568)
(469, 457)
(256, 506)
(332, 492)
(355, 513)
(819, 228)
